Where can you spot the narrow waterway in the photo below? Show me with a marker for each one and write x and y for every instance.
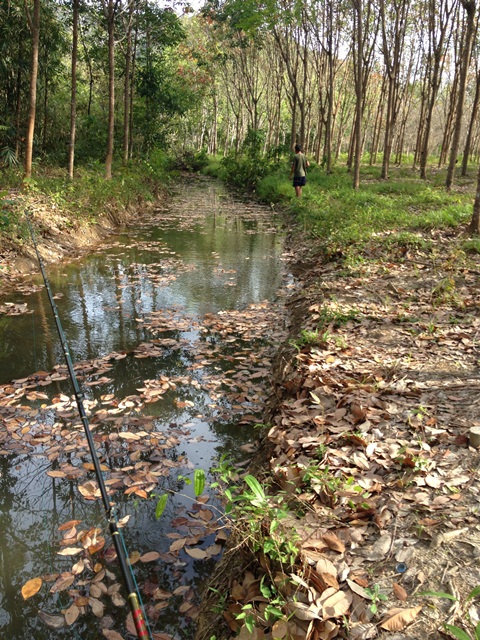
(172, 325)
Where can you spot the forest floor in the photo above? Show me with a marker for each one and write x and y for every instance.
(369, 446)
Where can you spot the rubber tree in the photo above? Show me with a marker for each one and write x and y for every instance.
(394, 16)
(470, 7)
(34, 25)
(110, 9)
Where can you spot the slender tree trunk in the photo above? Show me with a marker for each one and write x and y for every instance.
(18, 100)
(475, 222)
(34, 24)
(470, 8)
(126, 86)
(473, 120)
(110, 16)
(132, 93)
(73, 97)
(358, 10)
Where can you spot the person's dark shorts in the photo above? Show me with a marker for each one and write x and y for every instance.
(300, 182)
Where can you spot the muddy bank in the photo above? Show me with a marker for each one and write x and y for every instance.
(60, 235)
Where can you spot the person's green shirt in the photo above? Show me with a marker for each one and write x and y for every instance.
(299, 165)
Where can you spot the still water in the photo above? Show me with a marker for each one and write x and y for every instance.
(171, 325)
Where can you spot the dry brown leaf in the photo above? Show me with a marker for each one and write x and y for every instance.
(199, 554)
(324, 565)
(69, 525)
(63, 582)
(150, 556)
(280, 629)
(97, 607)
(399, 592)
(31, 587)
(334, 542)
(55, 622)
(336, 605)
(71, 614)
(177, 545)
(111, 635)
(70, 551)
(398, 619)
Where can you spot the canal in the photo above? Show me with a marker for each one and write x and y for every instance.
(172, 326)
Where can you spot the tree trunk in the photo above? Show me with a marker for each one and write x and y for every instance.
(18, 100)
(358, 19)
(473, 120)
(73, 98)
(126, 86)
(470, 8)
(110, 16)
(35, 31)
(475, 222)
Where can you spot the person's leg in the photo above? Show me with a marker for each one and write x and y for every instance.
(298, 191)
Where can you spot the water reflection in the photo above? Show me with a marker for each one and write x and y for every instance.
(206, 252)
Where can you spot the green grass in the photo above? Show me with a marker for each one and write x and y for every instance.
(336, 214)
(84, 199)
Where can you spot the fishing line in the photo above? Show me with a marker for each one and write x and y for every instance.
(134, 600)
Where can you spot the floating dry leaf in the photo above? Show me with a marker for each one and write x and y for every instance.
(31, 587)
(70, 551)
(71, 614)
(53, 621)
(150, 556)
(112, 635)
(199, 554)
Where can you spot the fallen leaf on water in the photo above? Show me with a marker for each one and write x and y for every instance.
(71, 614)
(70, 551)
(97, 606)
(177, 545)
(199, 554)
(63, 582)
(111, 635)
(31, 587)
(134, 557)
(398, 619)
(56, 474)
(55, 622)
(150, 556)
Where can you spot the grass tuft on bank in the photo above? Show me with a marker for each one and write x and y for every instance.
(83, 200)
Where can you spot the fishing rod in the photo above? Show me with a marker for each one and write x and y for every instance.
(139, 618)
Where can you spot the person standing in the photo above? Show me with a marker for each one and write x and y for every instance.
(299, 170)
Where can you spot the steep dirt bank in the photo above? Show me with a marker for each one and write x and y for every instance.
(369, 446)
(59, 236)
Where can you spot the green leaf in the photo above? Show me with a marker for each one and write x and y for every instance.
(437, 594)
(161, 504)
(457, 632)
(474, 593)
(256, 487)
(477, 632)
(199, 481)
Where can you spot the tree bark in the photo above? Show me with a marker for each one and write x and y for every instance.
(73, 97)
(475, 222)
(34, 23)
(470, 8)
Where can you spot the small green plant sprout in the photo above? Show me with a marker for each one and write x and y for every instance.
(375, 594)
(247, 617)
(473, 633)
